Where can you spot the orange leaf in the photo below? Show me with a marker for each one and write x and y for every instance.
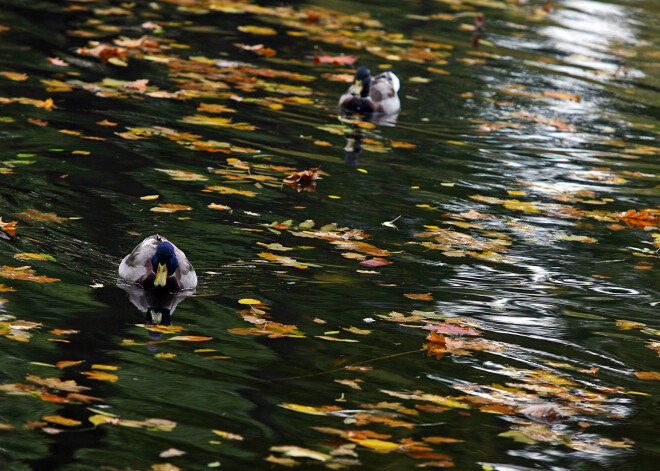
(53, 398)
(648, 375)
(436, 338)
(422, 297)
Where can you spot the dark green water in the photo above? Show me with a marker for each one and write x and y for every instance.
(548, 132)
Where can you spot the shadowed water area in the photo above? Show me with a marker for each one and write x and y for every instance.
(473, 284)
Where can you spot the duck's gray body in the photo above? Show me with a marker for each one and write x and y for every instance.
(137, 267)
(381, 97)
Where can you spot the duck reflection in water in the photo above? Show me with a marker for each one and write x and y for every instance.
(158, 306)
(369, 99)
(353, 147)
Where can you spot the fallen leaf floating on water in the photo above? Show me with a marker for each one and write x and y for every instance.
(257, 30)
(58, 419)
(8, 227)
(375, 262)
(642, 218)
(101, 376)
(303, 181)
(546, 413)
(15, 76)
(34, 215)
(56, 383)
(24, 273)
(421, 297)
(227, 435)
(627, 325)
(334, 60)
(190, 338)
(171, 452)
(34, 256)
(648, 375)
(299, 452)
(58, 62)
(182, 175)
(170, 208)
(152, 424)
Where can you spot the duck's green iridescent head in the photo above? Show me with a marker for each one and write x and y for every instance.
(361, 83)
(164, 263)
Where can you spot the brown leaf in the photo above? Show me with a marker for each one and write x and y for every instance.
(648, 375)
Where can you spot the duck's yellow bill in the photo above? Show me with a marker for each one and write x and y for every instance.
(356, 88)
(161, 275)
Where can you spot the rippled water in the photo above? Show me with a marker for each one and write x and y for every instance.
(503, 185)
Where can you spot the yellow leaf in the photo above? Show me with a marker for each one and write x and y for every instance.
(227, 190)
(521, 206)
(34, 256)
(219, 206)
(149, 197)
(170, 208)
(101, 376)
(15, 76)
(258, 30)
(58, 419)
(355, 330)
(165, 355)
(96, 366)
(99, 419)
(228, 435)
(248, 301)
(335, 339)
(376, 444)
(304, 409)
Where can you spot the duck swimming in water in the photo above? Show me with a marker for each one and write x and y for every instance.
(370, 94)
(156, 263)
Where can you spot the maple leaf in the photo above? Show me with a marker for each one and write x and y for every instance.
(642, 218)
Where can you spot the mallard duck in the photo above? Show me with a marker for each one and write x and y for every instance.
(158, 264)
(370, 94)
